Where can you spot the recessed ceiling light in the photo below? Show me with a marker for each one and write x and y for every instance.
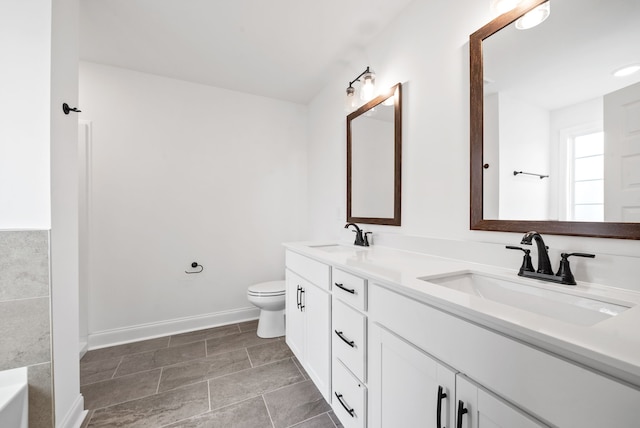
(626, 71)
(534, 17)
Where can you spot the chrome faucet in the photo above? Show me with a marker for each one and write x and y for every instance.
(361, 238)
(544, 264)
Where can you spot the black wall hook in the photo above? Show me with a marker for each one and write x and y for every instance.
(195, 265)
(66, 109)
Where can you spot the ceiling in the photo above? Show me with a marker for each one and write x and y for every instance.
(283, 49)
(570, 57)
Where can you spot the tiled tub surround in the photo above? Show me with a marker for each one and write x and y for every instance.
(25, 328)
(221, 377)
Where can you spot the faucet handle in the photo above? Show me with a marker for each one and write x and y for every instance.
(366, 239)
(527, 265)
(566, 255)
(564, 272)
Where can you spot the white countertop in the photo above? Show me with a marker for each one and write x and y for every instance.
(611, 346)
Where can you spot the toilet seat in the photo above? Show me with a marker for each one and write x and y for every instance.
(267, 289)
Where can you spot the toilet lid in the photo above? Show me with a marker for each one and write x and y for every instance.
(270, 288)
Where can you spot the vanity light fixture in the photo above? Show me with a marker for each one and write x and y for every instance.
(366, 90)
(627, 70)
(534, 17)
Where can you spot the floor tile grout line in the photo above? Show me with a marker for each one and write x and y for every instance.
(249, 357)
(130, 353)
(113, 376)
(251, 368)
(159, 379)
(298, 367)
(274, 361)
(312, 417)
(140, 398)
(332, 421)
(120, 377)
(184, 419)
(209, 394)
(264, 400)
(286, 386)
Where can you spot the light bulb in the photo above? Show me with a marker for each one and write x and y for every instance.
(534, 17)
(350, 99)
(368, 86)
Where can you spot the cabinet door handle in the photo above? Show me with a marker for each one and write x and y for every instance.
(342, 287)
(461, 411)
(344, 339)
(298, 296)
(441, 395)
(301, 299)
(350, 411)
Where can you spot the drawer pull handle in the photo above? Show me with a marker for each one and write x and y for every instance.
(441, 396)
(344, 339)
(461, 411)
(342, 287)
(350, 411)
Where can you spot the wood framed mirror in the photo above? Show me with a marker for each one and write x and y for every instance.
(374, 160)
(554, 59)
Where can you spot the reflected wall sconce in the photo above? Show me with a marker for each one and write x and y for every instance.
(534, 17)
(529, 20)
(367, 89)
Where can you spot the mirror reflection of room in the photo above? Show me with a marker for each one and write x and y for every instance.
(562, 100)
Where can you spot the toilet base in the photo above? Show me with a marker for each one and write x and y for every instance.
(271, 324)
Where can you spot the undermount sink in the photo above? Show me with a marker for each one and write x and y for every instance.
(337, 248)
(559, 305)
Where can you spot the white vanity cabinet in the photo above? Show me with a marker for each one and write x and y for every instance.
(308, 317)
(478, 408)
(523, 380)
(349, 348)
(386, 354)
(407, 387)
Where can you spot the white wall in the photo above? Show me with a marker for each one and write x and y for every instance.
(524, 146)
(426, 49)
(64, 213)
(25, 49)
(182, 172)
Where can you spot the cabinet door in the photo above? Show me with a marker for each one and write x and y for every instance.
(294, 316)
(407, 388)
(317, 333)
(477, 408)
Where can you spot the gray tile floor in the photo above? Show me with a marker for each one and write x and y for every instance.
(220, 377)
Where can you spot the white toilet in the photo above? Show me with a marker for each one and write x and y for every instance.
(270, 298)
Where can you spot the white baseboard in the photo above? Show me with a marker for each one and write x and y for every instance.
(76, 414)
(102, 339)
(84, 347)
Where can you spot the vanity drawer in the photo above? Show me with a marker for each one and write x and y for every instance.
(350, 288)
(349, 397)
(349, 337)
(311, 270)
